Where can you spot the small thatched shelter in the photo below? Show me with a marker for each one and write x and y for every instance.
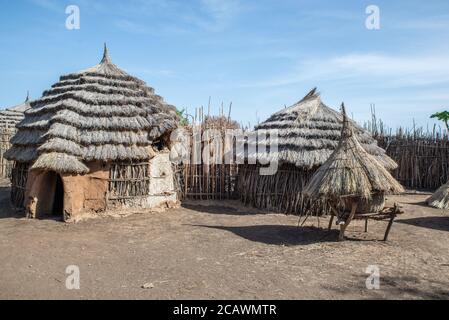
(352, 178)
(440, 199)
(307, 134)
(96, 140)
(9, 118)
(351, 172)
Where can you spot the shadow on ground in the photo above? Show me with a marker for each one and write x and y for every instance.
(6, 209)
(217, 209)
(435, 223)
(397, 287)
(280, 235)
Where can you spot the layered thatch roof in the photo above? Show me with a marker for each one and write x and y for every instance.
(440, 199)
(98, 114)
(10, 117)
(308, 133)
(351, 171)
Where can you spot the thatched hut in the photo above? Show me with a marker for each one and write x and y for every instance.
(307, 134)
(440, 199)
(9, 118)
(352, 178)
(98, 139)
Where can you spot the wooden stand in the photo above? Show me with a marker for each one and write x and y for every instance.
(388, 213)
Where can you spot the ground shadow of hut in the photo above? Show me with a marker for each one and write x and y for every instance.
(279, 234)
(98, 139)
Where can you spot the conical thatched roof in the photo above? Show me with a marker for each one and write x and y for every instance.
(309, 132)
(351, 171)
(440, 199)
(98, 114)
(10, 117)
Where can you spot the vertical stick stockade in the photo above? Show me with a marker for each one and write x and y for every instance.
(217, 179)
(422, 155)
(18, 183)
(281, 192)
(5, 165)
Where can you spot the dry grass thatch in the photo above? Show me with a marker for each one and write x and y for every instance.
(440, 199)
(308, 133)
(351, 171)
(220, 122)
(98, 114)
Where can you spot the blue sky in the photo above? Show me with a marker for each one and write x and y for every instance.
(260, 55)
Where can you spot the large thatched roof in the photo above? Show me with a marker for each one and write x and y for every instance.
(440, 199)
(308, 133)
(98, 114)
(351, 171)
(10, 117)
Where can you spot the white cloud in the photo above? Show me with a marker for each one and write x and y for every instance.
(370, 68)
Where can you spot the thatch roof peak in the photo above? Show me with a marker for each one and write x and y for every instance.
(347, 130)
(309, 131)
(351, 171)
(312, 94)
(106, 58)
(99, 114)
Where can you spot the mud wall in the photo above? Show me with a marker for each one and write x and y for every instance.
(83, 194)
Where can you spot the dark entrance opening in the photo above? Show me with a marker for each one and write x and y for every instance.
(58, 202)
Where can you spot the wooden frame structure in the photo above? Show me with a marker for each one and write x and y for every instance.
(128, 180)
(345, 218)
(19, 177)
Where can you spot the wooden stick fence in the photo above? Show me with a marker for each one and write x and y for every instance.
(281, 192)
(128, 180)
(18, 183)
(422, 154)
(5, 165)
(214, 180)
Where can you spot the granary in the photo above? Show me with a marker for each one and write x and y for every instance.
(9, 118)
(440, 199)
(307, 134)
(352, 178)
(97, 140)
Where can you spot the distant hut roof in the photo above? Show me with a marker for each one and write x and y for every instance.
(98, 114)
(10, 117)
(351, 171)
(308, 133)
(440, 199)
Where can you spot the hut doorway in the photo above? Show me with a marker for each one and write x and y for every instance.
(58, 200)
(50, 195)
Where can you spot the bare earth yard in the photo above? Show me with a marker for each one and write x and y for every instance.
(222, 250)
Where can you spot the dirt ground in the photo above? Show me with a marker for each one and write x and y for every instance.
(222, 250)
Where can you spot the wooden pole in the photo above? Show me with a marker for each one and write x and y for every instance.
(343, 227)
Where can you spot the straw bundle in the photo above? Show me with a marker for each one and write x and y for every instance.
(440, 199)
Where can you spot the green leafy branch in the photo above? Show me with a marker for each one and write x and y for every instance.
(442, 116)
